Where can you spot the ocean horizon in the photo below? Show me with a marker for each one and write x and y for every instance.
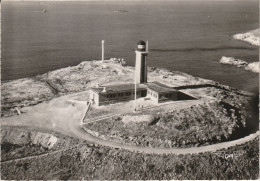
(189, 37)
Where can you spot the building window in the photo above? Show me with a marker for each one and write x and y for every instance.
(111, 96)
(128, 93)
(120, 94)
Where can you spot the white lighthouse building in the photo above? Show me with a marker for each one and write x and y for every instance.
(155, 91)
(141, 63)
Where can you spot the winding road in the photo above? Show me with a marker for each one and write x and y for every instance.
(57, 115)
(82, 134)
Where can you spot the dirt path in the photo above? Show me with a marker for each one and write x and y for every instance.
(41, 155)
(57, 115)
(53, 115)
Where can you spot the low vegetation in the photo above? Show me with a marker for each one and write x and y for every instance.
(90, 161)
(11, 151)
(17, 142)
(21, 93)
(196, 125)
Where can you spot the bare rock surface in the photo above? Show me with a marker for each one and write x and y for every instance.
(19, 142)
(253, 67)
(252, 37)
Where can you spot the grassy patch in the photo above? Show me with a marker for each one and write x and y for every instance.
(95, 162)
(11, 151)
(197, 125)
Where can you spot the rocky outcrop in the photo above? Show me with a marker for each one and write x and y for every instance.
(19, 136)
(253, 67)
(251, 37)
(233, 61)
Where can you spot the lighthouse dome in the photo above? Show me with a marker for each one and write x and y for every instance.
(141, 45)
(141, 42)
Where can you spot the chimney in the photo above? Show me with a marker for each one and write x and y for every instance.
(104, 89)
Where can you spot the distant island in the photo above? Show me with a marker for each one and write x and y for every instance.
(252, 67)
(252, 37)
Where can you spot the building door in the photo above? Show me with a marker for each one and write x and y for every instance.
(143, 93)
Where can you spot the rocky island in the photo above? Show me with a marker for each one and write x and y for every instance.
(214, 136)
(252, 37)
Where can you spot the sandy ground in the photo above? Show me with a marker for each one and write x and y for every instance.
(53, 115)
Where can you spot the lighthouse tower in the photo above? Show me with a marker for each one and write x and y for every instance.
(140, 63)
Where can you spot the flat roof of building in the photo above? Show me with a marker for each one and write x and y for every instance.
(155, 86)
(159, 87)
(118, 88)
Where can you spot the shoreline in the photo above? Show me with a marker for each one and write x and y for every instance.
(252, 37)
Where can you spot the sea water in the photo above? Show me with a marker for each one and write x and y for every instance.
(186, 36)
